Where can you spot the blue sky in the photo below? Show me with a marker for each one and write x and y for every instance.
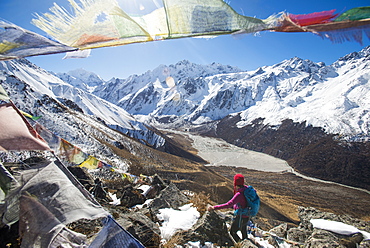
(248, 52)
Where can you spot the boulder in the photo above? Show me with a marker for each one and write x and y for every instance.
(211, 227)
(248, 244)
(298, 234)
(152, 192)
(141, 227)
(157, 180)
(131, 197)
(170, 197)
(98, 191)
(82, 176)
(306, 214)
(280, 230)
(322, 238)
(353, 240)
(272, 241)
(312, 237)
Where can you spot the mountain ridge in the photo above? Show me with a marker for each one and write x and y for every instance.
(295, 89)
(46, 83)
(82, 79)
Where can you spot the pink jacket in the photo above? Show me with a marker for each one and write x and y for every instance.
(233, 203)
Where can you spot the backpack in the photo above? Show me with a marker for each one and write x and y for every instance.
(253, 203)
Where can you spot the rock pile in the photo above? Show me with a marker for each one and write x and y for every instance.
(138, 201)
(312, 237)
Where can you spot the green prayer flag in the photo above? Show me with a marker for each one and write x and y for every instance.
(3, 95)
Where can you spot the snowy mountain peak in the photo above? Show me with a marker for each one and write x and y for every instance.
(298, 64)
(88, 77)
(364, 53)
(183, 63)
(186, 69)
(82, 79)
(124, 90)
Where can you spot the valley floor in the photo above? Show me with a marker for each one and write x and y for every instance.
(218, 152)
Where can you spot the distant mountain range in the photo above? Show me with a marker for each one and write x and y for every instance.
(334, 97)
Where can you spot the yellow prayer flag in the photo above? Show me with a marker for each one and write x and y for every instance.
(90, 163)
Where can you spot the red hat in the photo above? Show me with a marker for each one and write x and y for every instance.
(238, 180)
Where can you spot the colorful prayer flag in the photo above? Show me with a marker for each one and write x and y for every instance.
(101, 23)
(354, 14)
(35, 118)
(71, 153)
(16, 42)
(57, 190)
(90, 163)
(38, 227)
(3, 95)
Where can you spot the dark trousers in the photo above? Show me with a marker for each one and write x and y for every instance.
(239, 224)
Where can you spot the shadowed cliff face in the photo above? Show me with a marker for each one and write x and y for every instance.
(307, 149)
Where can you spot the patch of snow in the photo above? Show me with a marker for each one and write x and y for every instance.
(338, 227)
(115, 200)
(174, 220)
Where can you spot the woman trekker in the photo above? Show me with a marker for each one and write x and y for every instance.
(238, 201)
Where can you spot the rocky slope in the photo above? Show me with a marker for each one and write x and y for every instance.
(144, 223)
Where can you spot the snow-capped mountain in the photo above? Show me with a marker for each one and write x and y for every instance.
(82, 79)
(162, 79)
(66, 121)
(45, 83)
(335, 97)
